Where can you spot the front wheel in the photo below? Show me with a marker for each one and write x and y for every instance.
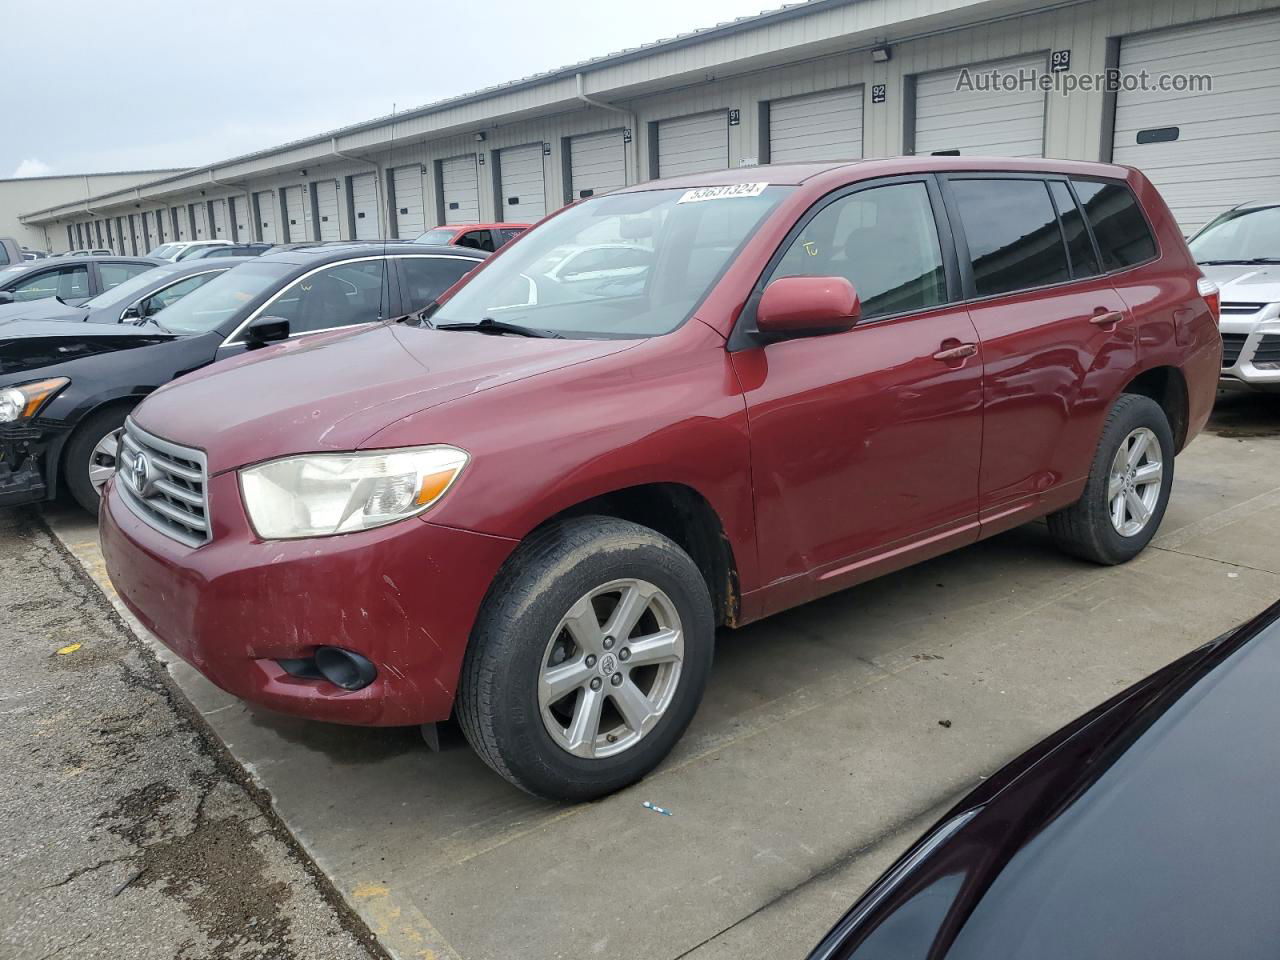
(589, 659)
(1128, 486)
(91, 455)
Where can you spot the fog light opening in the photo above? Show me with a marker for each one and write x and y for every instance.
(345, 669)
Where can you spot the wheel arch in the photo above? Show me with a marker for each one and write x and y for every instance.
(684, 515)
(1167, 386)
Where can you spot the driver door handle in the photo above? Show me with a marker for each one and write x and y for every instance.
(1108, 319)
(957, 353)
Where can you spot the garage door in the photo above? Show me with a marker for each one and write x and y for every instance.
(184, 224)
(1205, 150)
(297, 214)
(459, 184)
(364, 205)
(265, 201)
(149, 219)
(135, 234)
(242, 217)
(820, 126)
(597, 164)
(330, 226)
(693, 144)
(524, 191)
(201, 215)
(987, 123)
(221, 221)
(411, 216)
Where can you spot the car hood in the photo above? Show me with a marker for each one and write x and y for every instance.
(334, 391)
(33, 344)
(1142, 830)
(1241, 283)
(46, 308)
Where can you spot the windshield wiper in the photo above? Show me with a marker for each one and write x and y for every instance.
(490, 325)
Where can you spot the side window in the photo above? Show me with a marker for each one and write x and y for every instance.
(477, 240)
(1084, 262)
(505, 236)
(172, 294)
(65, 282)
(884, 240)
(337, 296)
(425, 278)
(1124, 238)
(114, 274)
(1013, 235)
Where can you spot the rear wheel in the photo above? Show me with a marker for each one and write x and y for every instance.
(589, 660)
(1128, 486)
(90, 457)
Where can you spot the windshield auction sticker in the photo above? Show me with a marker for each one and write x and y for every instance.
(723, 193)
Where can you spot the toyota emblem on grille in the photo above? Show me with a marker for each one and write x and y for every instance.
(140, 473)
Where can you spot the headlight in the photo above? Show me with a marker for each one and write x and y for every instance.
(319, 494)
(25, 400)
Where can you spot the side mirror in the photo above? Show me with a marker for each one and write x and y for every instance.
(266, 330)
(805, 306)
(132, 313)
(6, 297)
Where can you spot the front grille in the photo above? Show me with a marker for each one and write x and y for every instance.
(1232, 344)
(1240, 309)
(1268, 350)
(164, 484)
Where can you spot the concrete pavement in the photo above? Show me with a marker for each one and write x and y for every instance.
(815, 759)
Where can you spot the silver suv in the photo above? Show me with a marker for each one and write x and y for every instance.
(1240, 251)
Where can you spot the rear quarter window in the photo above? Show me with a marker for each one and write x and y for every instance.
(1123, 235)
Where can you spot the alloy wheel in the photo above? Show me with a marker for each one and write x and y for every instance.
(1134, 483)
(103, 460)
(611, 668)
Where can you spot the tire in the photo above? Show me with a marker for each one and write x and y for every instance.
(506, 704)
(79, 451)
(1087, 529)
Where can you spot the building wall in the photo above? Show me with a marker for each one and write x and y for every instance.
(826, 49)
(19, 196)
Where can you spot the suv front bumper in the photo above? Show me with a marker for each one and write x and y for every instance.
(405, 596)
(1249, 344)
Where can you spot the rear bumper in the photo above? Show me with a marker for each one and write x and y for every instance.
(405, 596)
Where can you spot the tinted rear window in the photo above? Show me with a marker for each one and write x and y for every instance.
(1013, 235)
(1124, 238)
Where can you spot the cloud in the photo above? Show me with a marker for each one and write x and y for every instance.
(31, 167)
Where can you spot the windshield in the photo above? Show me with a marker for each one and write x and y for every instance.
(1239, 236)
(438, 235)
(206, 308)
(620, 265)
(161, 251)
(123, 293)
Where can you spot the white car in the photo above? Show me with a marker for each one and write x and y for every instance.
(1240, 251)
(179, 249)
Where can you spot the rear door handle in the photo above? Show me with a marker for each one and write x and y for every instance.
(957, 353)
(1108, 319)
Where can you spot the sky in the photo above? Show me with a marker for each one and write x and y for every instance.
(139, 85)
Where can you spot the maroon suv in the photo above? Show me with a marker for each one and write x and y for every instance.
(533, 506)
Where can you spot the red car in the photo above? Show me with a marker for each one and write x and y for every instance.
(481, 236)
(533, 510)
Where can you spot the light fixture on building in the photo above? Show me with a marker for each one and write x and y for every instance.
(881, 54)
(480, 137)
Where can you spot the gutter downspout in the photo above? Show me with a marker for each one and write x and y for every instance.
(633, 157)
(384, 224)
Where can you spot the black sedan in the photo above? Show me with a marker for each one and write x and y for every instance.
(1143, 831)
(71, 280)
(137, 298)
(66, 388)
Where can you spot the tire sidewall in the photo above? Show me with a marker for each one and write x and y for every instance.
(527, 747)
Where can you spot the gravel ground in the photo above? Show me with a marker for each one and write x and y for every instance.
(125, 830)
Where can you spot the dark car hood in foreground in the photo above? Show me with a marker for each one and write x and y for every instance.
(334, 391)
(32, 344)
(1145, 831)
(46, 308)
